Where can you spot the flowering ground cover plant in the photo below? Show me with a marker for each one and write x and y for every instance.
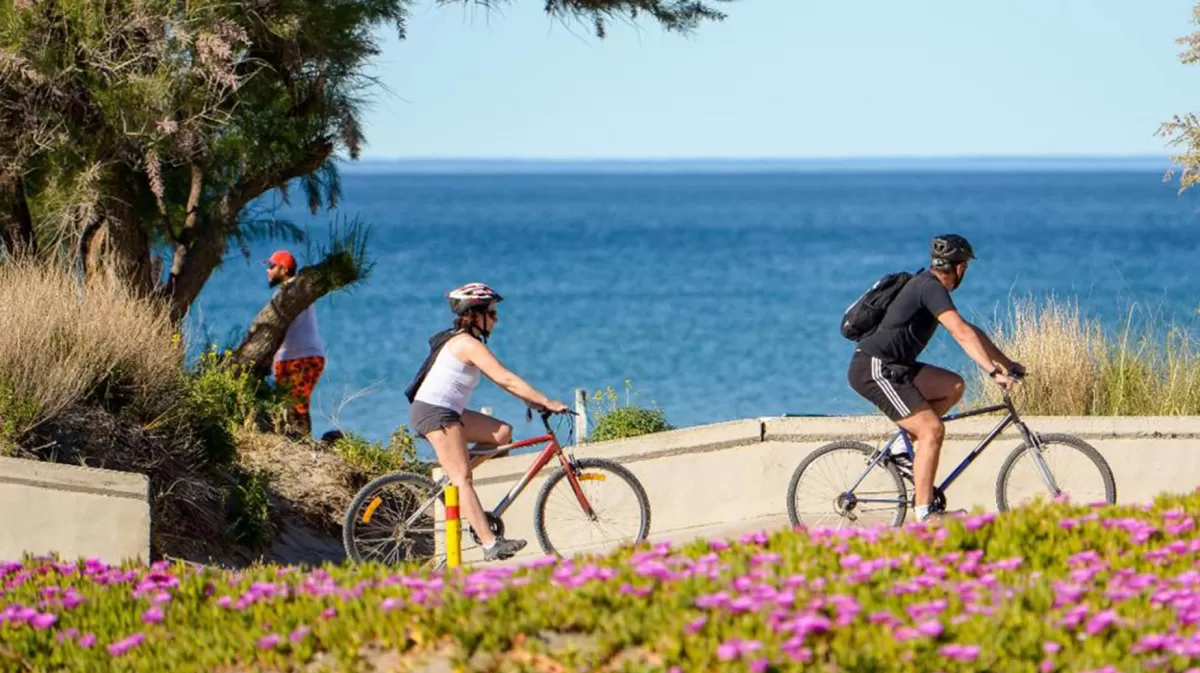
(1053, 587)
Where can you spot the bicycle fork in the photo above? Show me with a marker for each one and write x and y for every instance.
(1035, 450)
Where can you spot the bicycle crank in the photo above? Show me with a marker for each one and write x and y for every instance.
(494, 524)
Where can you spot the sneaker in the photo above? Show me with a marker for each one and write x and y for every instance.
(504, 548)
(902, 461)
(945, 514)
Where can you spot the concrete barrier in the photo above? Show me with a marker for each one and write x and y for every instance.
(74, 511)
(731, 477)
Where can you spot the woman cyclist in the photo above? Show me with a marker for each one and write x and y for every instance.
(438, 407)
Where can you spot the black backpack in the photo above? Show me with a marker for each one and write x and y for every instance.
(435, 346)
(862, 318)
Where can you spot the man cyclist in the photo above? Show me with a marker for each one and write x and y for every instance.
(914, 395)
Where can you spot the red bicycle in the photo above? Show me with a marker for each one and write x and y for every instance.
(392, 519)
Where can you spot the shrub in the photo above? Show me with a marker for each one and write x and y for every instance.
(1078, 370)
(614, 421)
(1051, 587)
(249, 508)
(372, 459)
(65, 343)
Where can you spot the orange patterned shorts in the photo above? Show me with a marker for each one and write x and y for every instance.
(298, 378)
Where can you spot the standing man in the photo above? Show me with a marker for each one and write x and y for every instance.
(300, 359)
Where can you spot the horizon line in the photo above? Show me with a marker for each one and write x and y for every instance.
(760, 165)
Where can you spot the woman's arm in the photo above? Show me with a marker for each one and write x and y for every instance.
(478, 354)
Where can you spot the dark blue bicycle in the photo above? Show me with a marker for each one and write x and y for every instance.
(880, 486)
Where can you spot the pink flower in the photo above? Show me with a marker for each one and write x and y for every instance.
(124, 645)
(87, 640)
(695, 625)
(1101, 621)
(268, 642)
(43, 621)
(760, 665)
(959, 652)
(152, 616)
(733, 649)
(1050, 647)
(299, 633)
(931, 628)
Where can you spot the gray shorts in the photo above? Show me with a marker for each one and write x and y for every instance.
(424, 418)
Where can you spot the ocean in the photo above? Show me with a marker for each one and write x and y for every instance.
(716, 294)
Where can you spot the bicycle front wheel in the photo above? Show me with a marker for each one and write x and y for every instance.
(833, 485)
(595, 484)
(392, 520)
(1065, 466)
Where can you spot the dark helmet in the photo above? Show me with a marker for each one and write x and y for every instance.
(949, 249)
(472, 295)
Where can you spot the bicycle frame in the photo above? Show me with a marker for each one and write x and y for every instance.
(1010, 418)
(552, 450)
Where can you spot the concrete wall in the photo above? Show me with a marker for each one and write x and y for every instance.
(734, 476)
(74, 511)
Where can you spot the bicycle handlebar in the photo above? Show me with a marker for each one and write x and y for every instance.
(544, 412)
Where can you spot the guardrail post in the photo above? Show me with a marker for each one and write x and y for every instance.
(581, 418)
(453, 528)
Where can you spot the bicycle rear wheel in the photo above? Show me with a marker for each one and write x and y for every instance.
(1026, 466)
(392, 520)
(559, 496)
(880, 493)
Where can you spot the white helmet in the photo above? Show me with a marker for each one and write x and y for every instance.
(471, 295)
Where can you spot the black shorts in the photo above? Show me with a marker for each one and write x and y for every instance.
(889, 387)
(424, 418)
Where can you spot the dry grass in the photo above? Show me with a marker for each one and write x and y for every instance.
(1076, 369)
(62, 344)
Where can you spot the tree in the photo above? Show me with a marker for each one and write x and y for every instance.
(1185, 129)
(133, 131)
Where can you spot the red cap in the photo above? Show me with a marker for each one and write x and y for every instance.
(282, 258)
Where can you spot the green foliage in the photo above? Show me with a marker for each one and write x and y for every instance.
(249, 508)
(1054, 587)
(372, 459)
(172, 118)
(16, 412)
(617, 421)
(222, 397)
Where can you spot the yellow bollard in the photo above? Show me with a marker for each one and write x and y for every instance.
(453, 528)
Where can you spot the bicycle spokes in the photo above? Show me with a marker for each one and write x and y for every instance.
(846, 485)
(595, 506)
(396, 524)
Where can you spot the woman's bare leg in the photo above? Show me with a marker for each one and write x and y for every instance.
(450, 445)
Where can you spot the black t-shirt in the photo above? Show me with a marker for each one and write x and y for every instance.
(910, 321)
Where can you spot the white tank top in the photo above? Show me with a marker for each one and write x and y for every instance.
(449, 382)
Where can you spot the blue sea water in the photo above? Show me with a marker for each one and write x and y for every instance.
(717, 294)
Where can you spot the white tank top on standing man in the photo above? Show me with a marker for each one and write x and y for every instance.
(449, 382)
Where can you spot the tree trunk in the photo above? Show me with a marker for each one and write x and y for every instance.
(16, 224)
(121, 246)
(266, 333)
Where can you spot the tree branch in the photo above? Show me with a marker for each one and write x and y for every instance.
(257, 350)
(189, 222)
(202, 254)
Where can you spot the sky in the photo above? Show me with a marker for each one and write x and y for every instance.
(788, 79)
